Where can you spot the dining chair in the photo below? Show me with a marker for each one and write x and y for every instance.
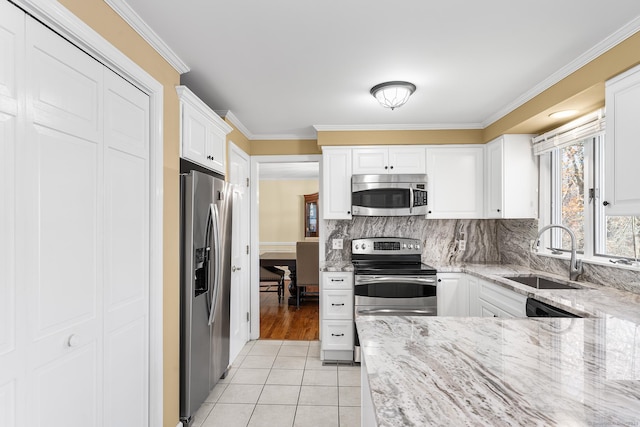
(270, 275)
(307, 270)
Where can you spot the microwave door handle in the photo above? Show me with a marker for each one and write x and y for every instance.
(410, 199)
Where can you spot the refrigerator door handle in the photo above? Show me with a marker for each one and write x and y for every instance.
(215, 220)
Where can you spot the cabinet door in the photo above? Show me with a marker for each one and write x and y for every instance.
(455, 178)
(195, 132)
(474, 297)
(407, 160)
(216, 148)
(336, 183)
(370, 161)
(622, 149)
(452, 295)
(494, 187)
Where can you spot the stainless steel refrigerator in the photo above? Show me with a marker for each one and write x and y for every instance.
(205, 287)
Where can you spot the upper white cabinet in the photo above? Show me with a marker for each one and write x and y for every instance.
(203, 133)
(455, 181)
(622, 148)
(336, 183)
(511, 178)
(383, 160)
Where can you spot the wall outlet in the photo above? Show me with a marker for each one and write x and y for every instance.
(337, 243)
(462, 245)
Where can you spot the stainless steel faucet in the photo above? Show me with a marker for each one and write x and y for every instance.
(575, 266)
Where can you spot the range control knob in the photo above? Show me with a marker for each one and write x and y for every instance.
(364, 246)
(410, 246)
(404, 246)
(417, 246)
(357, 246)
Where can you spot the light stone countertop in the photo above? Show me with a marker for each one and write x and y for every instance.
(493, 371)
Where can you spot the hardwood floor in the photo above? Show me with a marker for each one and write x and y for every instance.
(285, 322)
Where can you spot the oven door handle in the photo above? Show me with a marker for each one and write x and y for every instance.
(395, 311)
(361, 281)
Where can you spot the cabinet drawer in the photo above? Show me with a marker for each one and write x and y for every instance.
(489, 310)
(337, 335)
(337, 280)
(337, 304)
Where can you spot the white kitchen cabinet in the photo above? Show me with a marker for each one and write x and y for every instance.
(511, 176)
(474, 297)
(453, 295)
(203, 134)
(336, 315)
(622, 148)
(384, 160)
(455, 181)
(336, 183)
(497, 301)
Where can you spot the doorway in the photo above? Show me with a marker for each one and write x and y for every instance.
(278, 181)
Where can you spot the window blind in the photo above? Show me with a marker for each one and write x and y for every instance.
(584, 127)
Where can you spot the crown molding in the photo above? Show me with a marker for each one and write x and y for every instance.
(608, 43)
(285, 136)
(435, 126)
(228, 114)
(122, 8)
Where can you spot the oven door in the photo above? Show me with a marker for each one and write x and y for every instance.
(395, 295)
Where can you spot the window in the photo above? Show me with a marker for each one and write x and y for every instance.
(575, 168)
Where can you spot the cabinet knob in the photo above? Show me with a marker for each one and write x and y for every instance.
(348, 212)
(391, 167)
(429, 211)
(605, 203)
(386, 167)
(498, 210)
(439, 280)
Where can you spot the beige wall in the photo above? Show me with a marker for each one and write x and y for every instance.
(282, 211)
(107, 23)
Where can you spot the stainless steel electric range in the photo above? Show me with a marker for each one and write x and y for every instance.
(390, 279)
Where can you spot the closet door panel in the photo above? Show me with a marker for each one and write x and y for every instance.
(61, 231)
(12, 317)
(126, 259)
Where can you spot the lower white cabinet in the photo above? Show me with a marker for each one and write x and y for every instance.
(496, 301)
(336, 316)
(453, 294)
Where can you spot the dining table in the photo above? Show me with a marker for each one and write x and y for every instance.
(283, 259)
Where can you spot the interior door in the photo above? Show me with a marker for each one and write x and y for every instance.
(240, 282)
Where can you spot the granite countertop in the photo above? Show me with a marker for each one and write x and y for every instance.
(496, 371)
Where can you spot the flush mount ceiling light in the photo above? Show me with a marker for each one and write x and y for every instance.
(563, 114)
(393, 94)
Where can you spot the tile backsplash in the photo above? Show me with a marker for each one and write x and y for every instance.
(487, 241)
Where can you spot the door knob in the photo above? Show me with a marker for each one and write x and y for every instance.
(73, 340)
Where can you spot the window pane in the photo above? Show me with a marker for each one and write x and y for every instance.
(620, 235)
(572, 194)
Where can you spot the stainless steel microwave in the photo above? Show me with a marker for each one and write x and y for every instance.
(389, 195)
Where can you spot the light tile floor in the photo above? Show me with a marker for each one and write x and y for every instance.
(275, 383)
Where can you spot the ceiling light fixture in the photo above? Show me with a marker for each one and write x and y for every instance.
(393, 94)
(563, 114)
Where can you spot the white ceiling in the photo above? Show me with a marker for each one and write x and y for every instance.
(283, 66)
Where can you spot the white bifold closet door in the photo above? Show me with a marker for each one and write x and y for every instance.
(74, 327)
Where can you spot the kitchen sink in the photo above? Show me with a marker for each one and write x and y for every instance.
(539, 282)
